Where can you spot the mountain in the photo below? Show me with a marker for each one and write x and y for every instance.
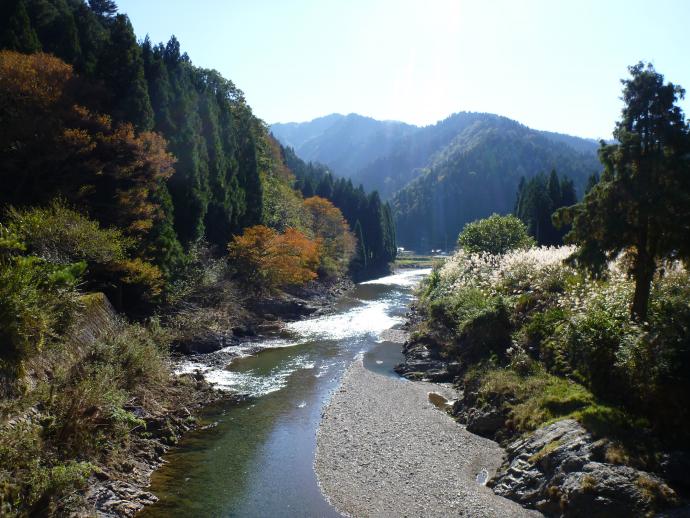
(477, 174)
(440, 176)
(345, 143)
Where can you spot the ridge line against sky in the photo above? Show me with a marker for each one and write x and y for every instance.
(552, 66)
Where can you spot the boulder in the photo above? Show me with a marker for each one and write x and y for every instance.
(204, 344)
(561, 470)
(484, 422)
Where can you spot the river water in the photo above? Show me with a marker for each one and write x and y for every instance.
(256, 459)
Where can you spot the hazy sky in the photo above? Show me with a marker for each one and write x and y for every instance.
(550, 64)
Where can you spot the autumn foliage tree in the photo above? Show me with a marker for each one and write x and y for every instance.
(265, 259)
(330, 227)
(52, 146)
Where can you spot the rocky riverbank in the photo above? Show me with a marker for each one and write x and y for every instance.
(383, 449)
(120, 489)
(560, 469)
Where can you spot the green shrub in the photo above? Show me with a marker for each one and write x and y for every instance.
(429, 287)
(495, 235)
(480, 325)
(37, 301)
(656, 367)
(487, 334)
(592, 341)
(61, 235)
(32, 480)
(456, 310)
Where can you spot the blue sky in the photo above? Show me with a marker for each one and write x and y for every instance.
(550, 64)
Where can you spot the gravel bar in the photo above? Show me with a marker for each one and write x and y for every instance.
(384, 450)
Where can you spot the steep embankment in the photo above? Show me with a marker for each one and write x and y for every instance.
(384, 450)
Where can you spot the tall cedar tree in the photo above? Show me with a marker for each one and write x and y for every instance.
(641, 205)
(104, 8)
(121, 66)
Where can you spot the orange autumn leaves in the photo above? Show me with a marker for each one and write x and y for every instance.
(329, 226)
(266, 259)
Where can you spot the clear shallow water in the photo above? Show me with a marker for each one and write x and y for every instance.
(256, 459)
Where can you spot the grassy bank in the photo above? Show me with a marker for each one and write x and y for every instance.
(78, 407)
(541, 341)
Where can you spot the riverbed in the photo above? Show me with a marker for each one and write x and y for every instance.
(256, 458)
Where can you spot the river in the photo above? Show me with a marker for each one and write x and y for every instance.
(256, 458)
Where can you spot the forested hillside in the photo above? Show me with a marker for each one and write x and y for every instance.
(345, 143)
(221, 170)
(477, 174)
(441, 176)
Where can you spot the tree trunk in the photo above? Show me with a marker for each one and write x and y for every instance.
(644, 273)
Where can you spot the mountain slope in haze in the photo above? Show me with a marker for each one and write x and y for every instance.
(441, 176)
(345, 143)
(413, 152)
(387, 155)
(477, 174)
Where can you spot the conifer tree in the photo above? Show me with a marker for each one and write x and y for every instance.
(641, 205)
(104, 8)
(16, 31)
(592, 180)
(537, 199)
(121, 66)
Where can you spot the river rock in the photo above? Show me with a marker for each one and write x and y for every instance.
(561, 470)
(288, 308)
(204, 344)
(421, 357)
(485, 422)
(119, 498)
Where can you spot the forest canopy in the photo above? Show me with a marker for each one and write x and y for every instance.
(184, 158)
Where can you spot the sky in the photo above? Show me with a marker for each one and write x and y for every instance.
(550, 64)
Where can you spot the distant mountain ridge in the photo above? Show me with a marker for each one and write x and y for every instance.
(440, 176)
(345, 143)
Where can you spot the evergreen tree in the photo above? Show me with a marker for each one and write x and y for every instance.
(16, 31)
(591, 182)
(360, 259)
(55, 24)
(121, 66)
(325, 187)
(537, 200)
(104, 8)
(641, 205)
